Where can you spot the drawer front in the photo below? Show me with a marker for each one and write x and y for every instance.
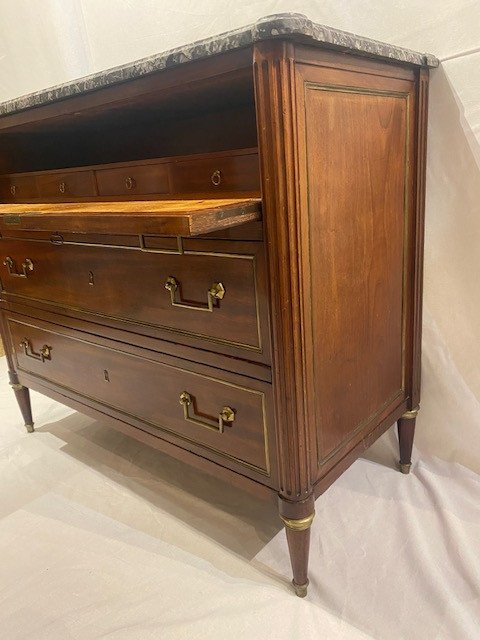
(133, 180)
(227, 420)
(205, 175)
(66, 185)
(204, 295)
(18, 189)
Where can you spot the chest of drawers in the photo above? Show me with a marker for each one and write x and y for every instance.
(221, 255)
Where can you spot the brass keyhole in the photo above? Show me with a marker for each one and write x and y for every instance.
(13, 189)
(91, 278)
(62, 187)
(106, 376)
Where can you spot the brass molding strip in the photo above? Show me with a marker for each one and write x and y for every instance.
(298, 525)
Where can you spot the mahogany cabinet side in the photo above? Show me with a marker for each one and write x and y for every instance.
(382, 115)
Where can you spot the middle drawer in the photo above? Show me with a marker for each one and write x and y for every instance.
(202, 294)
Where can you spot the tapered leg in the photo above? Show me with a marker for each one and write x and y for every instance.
(23, 398)
(298, 538)
(406, 432)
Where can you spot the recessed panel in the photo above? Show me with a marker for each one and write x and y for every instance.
(357, 171)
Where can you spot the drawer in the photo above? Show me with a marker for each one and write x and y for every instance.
(223, 419)
(66, 185)
(18, 188)
(235, 173)
(136, 179)
(213, 294)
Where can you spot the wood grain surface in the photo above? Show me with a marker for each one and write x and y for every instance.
(164, 217)
(298, 183)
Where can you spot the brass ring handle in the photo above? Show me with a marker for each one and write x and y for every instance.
(216, 177)
(130, 183)
(45, 351)
(216, 292)
(27, 267)
(13, 189)
(62, 187)
(226, 415)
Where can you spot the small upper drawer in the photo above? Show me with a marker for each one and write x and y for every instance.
(136, 179)
(223, 173)
(18, 188)
(66, 185)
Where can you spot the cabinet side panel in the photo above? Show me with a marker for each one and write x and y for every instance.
(357, 150)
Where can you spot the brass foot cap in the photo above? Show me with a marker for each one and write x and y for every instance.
(405, 467)
(29, 428)
(300, 589)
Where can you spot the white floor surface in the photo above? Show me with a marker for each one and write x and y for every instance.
(103, 537)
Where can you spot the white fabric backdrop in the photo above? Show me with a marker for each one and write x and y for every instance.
(102, 537)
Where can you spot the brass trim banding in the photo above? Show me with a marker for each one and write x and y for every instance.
(298, 525)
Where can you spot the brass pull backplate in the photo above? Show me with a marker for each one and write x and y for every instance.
(27, 267)
(216, 292)
(226, 415)
(44, 354)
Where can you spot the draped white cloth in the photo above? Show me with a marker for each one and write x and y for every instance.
(102, 537)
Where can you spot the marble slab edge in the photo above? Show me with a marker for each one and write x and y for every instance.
(275, 26)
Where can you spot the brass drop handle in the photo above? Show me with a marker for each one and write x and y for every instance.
(45, 351)
(130, 183)
(62, 187)
(216, 292)
(27, 267)
(216, 177)
(226, 415)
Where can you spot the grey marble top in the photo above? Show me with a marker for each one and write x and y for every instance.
(287, 24)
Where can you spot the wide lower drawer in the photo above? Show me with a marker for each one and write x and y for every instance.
(214, 295)
(222, 416)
